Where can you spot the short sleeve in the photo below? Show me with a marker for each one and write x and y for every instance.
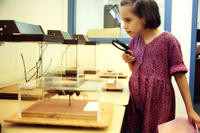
(175, 57)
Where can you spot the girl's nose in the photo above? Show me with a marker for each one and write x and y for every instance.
(125, 26)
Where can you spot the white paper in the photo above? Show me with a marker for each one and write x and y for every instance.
(110, 81)
(91, 106)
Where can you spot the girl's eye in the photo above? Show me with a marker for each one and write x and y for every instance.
(127, 20)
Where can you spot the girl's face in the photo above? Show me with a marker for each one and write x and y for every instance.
(133, 25)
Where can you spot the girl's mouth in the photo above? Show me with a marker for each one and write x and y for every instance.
(128, 32)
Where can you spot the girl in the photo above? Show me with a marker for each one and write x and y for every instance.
(156, 57)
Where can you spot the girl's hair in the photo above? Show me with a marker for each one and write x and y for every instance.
(147, 9)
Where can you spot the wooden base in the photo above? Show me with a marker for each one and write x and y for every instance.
(105, 114)
(111, 75)
(11, 92)
(59, 108)
(90, 71)
(116, 87)
(72, 72)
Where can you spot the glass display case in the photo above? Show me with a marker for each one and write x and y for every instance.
(29, 54)
(42, 76)
(54, 68)
(87, 58)
(75, 108)
(19, 63)
(65, 87)
(65, 64)
(29, 61)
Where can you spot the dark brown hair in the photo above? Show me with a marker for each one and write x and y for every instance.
(147, 9)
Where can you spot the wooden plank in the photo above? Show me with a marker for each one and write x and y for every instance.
(117, 86)
(11, 92)
(106, 110)
(59, 108)
(90, 71)
(111, 75)
(11, 89)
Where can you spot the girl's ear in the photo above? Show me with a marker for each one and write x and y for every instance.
(143, 20)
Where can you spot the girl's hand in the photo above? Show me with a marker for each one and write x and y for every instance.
(194, 118)
(128, 58)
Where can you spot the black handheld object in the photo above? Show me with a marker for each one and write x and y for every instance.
(122, 46)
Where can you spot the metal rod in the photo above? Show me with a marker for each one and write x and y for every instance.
(69, 100)
(19, 103)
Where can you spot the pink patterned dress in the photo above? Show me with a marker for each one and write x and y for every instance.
(152, 99)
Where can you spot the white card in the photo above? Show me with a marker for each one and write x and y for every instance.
(91, 106)
(110, 81)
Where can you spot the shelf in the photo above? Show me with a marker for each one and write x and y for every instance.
(90, 43)
(65, 35)
(83, 39)
(31, 38)
(70, 41)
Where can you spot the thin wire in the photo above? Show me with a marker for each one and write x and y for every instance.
(64, 54)
(24, 66)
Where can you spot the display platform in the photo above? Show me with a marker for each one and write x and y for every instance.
(107, 74)
(112, 85)
(60, 107)
(11, 92)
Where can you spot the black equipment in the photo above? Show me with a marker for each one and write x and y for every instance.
(122, 46)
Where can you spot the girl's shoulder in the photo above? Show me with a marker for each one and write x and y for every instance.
(169, 37)
(134, 41)
(136, 38)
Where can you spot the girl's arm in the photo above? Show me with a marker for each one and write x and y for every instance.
(130, 65)
(185, 92)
